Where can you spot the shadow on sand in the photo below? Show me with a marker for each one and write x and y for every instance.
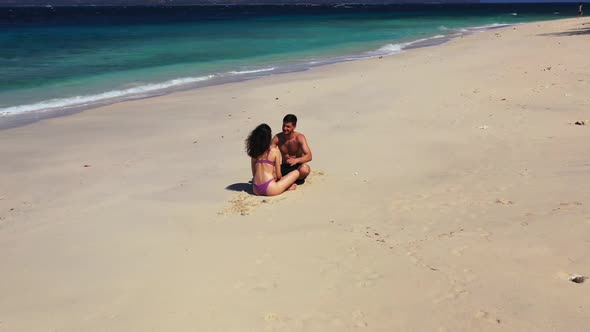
(572, 32)
(241, 186)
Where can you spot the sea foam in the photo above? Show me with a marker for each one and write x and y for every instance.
(77, 101)
(390, 48)
(252, 71)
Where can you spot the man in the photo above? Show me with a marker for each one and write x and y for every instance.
(294, 148)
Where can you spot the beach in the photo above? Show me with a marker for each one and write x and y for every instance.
(448, 193)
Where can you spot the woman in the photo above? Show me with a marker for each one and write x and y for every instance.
(266, 164)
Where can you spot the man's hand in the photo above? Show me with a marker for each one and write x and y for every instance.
(292, 161)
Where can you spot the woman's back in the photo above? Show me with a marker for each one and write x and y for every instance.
(264, 167)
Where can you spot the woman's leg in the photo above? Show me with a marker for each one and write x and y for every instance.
(283, 184)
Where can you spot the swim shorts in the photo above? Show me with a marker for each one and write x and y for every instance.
(286, 168)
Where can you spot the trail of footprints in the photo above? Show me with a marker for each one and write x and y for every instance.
(458, 281)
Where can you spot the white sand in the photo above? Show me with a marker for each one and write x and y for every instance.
(414, 219)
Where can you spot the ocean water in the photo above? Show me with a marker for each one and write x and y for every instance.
(54, 59)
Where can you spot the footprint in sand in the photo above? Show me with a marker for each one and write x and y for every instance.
(566, 205)
(367, 279)
(264, 286)
(485, 234)
(359, 319)
(252, 285)
(570, 203)
(243, 203)
(272, 317)
(525, 172)
(273, 321)
(373, 234)
(459, 251)
(353, 252)
(454, 294)
(412, 257)
(484, 315)
(468, 275)
(315, 175)
(240, 204)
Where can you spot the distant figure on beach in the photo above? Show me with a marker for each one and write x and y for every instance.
(294, 149)
(581, 10)
(266, 164)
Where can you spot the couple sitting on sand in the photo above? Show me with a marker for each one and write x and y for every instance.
(280, 163)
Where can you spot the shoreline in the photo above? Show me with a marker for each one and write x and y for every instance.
(447, 194)
(13, 119)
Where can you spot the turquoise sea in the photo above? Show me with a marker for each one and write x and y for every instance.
(54, 59)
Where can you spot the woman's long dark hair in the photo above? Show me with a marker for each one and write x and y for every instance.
(258, 141)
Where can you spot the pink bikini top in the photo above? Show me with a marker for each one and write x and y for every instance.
(265, 161)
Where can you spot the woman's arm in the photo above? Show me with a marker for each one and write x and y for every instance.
(278, 161)
(252, 163)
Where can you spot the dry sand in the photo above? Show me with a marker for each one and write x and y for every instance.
(450, 192)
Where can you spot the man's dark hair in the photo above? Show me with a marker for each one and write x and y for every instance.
(290, 118)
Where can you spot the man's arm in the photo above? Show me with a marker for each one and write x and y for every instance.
(305, 149)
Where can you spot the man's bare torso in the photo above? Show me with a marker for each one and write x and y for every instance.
(290, 147)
